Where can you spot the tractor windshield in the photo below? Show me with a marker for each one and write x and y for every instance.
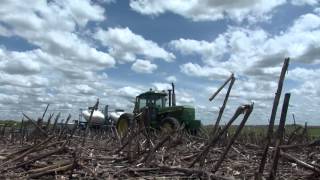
(151, 101)
(159, 103)
(142, 103)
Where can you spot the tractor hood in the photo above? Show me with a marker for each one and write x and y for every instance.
(176, 108)
(184, 114)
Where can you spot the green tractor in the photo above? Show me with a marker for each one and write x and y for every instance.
(151, 110)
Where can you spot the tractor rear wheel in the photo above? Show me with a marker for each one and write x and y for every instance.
(124, 122)
(169, 124)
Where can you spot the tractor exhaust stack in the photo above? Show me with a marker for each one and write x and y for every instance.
(173, 96)
(170, 98)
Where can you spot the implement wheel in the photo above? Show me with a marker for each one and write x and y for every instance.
(124, 122)
(169, 124)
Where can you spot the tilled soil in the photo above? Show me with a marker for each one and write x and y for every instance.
(145, 155)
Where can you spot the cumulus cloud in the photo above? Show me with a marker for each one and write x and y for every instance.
(209, 51)
(308, 81)
(126, 45)
(129, 92)
(160, 86)
(143, 66)
(304, 2)
(300, 40)
(52, 15)
(63, 66)
(206, 10)
(171, 79)
(32, 81)
(14, 62)
(85, 89)
(256, 57)
(251, 90)
(308, 88)
(212, 73)
(8, 99)
(247, 90)
(52, 27)
(254, 52)
(304, 74)
(228, 51)
(184, 98)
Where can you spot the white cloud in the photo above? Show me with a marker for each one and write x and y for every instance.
(159, 86)
(64, 106)
(63, 67)
(206, 10)
(256, 57)
(9, 99)
(67, 67)
(23, 81)
(209, 51)
(247, 90)
(85, 89)
(143, 66)
(171, 79)
(125, 45)
(228, 51)
(304, 2)
(14, 62)
(129, 92)
(254, 52)
(308, 88)
(306, 22)
(4, 31)
(52, 27)
(308, 82)
(84, 11)
(300, 41)
(303, 74)
(252, 90)
(53, 15)
(184, 98)
(212, 73)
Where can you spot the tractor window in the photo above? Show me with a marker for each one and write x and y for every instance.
(142, 103)
(163, 102)
(159, 103)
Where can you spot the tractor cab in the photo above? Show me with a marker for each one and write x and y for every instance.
(150, 103)
(150, 99)
(151, 110)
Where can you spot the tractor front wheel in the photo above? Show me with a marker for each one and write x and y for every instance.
(169, 124)
(124, 122)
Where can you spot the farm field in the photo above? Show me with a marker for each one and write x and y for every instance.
(157, 90)
(61, 152)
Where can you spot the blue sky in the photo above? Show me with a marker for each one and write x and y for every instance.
(69, 53)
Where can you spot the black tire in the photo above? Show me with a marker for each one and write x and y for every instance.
(169, 124)
(124, 122)
(194, 132)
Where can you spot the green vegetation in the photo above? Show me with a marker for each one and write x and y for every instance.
(313, 131)
(10, 123)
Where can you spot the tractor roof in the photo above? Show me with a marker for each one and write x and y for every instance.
(150, 94)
